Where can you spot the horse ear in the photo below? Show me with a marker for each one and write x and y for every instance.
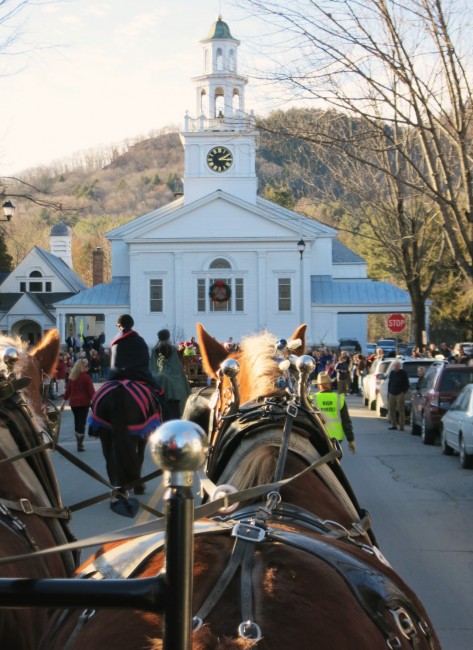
(47, 351)
(213, 353)
(299, 333)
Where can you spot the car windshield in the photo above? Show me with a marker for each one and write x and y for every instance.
(411, 368)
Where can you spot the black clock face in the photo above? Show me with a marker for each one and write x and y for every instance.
(219, 159)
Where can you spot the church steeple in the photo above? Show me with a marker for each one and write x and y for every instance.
(220, 141)
(220, 89)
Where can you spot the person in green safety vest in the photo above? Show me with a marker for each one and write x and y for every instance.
(334, 407)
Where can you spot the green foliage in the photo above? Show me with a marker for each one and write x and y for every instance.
(281, 195)
(6, 260)
(174, 182)
(86, 190)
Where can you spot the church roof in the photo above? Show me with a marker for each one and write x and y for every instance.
(219, 30)
(343, 255)
(115, 293)
(326, 291)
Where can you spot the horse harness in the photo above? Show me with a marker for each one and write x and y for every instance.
(29, 442)
(390, 609)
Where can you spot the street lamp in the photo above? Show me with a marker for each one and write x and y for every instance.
(8, 210)
(301, 249)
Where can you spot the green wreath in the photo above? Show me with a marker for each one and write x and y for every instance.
(220, 292)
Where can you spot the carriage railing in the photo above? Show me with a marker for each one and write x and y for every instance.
(180, 448)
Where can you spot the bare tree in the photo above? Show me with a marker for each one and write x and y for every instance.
(401, 67)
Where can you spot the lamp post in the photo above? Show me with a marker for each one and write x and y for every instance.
(8, 210)
(301, 249)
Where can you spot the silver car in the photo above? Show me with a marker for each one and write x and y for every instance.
(410, 365)
(456, 428)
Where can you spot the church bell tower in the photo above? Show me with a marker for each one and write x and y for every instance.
(220, 142)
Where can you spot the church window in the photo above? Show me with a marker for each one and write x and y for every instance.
(220, 263)
(236, 284)
(48, 287)
(156, 295)
(219, 59)
(22, 287)
(219, 102)
(284, 294)
(203, 102)
(236, 100)
(231, 61)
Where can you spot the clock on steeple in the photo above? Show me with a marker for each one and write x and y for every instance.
(220, 143)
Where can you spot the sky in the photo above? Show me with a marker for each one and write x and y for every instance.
(81, 74)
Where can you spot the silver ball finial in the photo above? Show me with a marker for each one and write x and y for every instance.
(305, 363)
(230, 368)
(10, 357)
(179, 446)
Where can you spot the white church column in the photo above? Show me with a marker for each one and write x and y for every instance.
(261, 292)
(180, 296)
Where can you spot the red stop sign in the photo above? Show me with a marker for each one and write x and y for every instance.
(396, 322)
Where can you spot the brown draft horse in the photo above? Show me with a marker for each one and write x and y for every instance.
(313, 578)
(28, 489)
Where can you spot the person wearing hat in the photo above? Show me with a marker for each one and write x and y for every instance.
(130, 354)
(334, 407)
(167, 370)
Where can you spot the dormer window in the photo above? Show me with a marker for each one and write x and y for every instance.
(35, 286)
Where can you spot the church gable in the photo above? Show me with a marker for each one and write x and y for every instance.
(218, 216)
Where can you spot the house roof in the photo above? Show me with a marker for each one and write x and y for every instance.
(60, 267)
(115, 293)
(45, 301)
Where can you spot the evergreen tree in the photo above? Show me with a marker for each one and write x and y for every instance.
(6, 260)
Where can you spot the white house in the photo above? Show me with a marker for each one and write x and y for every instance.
(274, 267)
(28, 294)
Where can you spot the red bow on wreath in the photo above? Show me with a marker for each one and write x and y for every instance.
(220, 292)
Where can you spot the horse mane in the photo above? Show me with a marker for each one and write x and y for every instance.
(259, 369)
(258, 468)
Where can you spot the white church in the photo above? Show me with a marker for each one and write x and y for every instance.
(222, 255)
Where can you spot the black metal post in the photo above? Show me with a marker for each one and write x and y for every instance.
(179, 568)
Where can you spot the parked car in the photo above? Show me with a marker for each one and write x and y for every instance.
(349, 345)
(456, 428)
(441, 386)
(410, 365)
(372, 379)
(388, 346)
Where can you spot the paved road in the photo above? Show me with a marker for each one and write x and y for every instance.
(420, 502)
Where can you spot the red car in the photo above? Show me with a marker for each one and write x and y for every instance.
(440, 387)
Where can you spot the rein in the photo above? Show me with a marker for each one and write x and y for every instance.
(30, 443)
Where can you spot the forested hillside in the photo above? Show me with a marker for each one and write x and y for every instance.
(99, 190)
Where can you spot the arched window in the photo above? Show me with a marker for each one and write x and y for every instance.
(34, 286)
(219, 59)
(220, 263)
(232, 61)
(219, 100)
(236, 100)
(203, 102)
(220, 269)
